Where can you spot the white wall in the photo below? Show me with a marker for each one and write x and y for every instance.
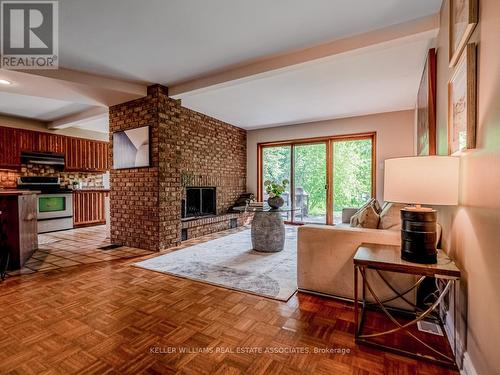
(395, 137)
(471, 234)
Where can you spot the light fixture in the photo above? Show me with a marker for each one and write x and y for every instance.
(420, 180)
(5, 82)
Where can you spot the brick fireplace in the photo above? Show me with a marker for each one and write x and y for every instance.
(188, 149)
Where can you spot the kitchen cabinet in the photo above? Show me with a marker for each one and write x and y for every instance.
(47, 142)
(27, 140)
(19, 225)
(82, 155)
(9, 152)
(86, 155)
(89, 207)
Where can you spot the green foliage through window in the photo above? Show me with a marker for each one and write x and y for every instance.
(352, 174)
(310, 175)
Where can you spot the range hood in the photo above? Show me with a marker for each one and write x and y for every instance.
(44, 158)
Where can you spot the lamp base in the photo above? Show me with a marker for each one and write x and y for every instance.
(418, 235)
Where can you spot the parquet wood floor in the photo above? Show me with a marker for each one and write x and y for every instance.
(112, 318)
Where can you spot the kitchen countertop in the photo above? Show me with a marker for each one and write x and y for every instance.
(17, 192)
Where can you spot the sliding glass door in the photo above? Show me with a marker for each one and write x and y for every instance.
(276, 167)
(326, 175)
(352, 175)
(309, 182)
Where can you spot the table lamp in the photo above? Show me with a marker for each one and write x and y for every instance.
(418, 180)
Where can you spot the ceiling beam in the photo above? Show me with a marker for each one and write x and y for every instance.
(71, 86)
(92, 80)
(92, 114)
(418, 28)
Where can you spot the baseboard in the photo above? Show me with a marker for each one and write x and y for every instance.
(343, 299)
(467, 367)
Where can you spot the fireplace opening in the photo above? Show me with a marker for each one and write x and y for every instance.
(200, 201)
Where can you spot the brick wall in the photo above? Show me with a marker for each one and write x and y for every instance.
(213, 154)
(204, 226)
(134, 195)
(169, 172)
(187, 149)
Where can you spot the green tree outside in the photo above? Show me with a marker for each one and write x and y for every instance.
(352, 172)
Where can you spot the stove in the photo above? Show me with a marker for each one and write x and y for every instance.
(55, 204)
(47, 185)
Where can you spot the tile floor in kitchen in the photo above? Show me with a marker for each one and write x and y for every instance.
(74, 247)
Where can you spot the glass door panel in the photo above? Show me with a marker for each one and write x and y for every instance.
(276, 167)
(352, 175)
(51, 204)
(310, 183)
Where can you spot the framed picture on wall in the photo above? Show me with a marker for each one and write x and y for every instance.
(462, 103)
(463, 20)
(131, 148)
(426, 108)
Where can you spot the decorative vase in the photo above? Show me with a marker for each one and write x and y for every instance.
(275, 202)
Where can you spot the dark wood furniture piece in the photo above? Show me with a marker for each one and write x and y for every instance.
(4, 252)
(378, 258)
(89, 207)
(81, 155)
(19, 225)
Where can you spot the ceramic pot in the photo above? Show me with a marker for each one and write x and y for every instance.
(275, 202)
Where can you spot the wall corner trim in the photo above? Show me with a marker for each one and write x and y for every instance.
(467, 367)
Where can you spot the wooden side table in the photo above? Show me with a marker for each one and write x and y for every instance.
(388, 258)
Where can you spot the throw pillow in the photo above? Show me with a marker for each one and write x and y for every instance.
(367, 216)
(390, 217)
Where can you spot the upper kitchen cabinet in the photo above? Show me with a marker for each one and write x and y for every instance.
(83, 155)
(9, 152)
(86, 155)
(47, 142)
(27, 140)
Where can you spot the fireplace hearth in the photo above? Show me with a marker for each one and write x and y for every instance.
(198, 202)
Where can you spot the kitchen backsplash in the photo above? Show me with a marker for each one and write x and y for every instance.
(8, 178)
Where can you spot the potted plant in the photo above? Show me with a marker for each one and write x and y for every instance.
(275, 190)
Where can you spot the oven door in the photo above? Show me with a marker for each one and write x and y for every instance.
(55, 206)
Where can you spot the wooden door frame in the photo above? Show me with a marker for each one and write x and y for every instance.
(329, 140)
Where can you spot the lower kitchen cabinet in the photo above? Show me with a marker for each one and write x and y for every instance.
(89, 207)
(18, 226)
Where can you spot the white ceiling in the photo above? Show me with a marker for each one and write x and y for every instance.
(38, 108)
(100, 125)
(171, 42)
(372, 81)
(167, 42)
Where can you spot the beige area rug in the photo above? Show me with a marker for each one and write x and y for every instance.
(230, 262)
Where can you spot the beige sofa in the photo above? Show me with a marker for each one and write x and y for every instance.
(325, 265)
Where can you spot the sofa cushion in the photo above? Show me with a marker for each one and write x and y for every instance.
(390, 217)
(347, 213)
(367, 216)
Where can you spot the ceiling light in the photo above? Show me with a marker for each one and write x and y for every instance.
(5, 82)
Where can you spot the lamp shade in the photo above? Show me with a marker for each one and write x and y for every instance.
(431, 180)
